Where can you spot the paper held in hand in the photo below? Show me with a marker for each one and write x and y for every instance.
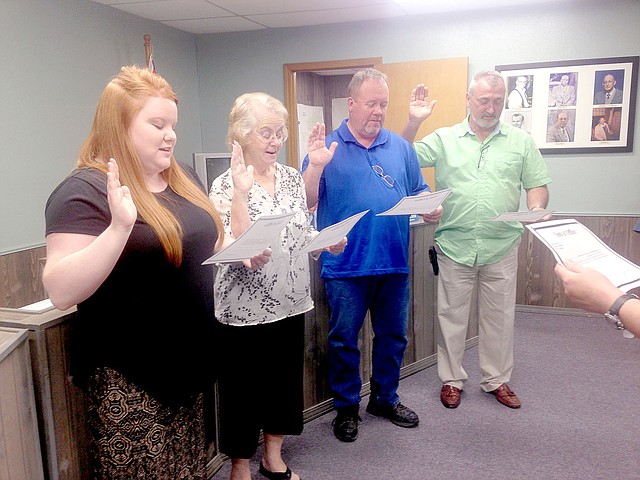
(260, 235)
(332, 234)
(418, 204)
(568, 239)
(528, 216)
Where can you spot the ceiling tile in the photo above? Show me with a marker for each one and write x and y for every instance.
(258, 7)
(215, 25)
(174, 10)
(354, 14)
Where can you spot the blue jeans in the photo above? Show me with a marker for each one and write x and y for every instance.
(387, 299)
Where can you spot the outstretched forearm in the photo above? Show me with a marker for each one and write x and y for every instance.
(311, 177)
(410, 130)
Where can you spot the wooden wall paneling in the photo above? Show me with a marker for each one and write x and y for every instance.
(21, 277)
(60, 405)
(538, 260)
(423, 297)
(64, 436)
(316, 329)
(321, 364)
(68, 406)
(316, 344)
(633, 242)
(20, 457)
(309, 89)
(621, 230)
(524, 255)
(310, 352)
(335, 86)
(537, 283)
(413, 330)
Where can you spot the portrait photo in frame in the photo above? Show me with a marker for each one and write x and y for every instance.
(574, 106)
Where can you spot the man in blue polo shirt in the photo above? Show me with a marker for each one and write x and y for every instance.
(361, 166)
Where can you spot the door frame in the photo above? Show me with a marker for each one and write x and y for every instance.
(291, 98)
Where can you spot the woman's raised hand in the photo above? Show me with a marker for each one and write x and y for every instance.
(319, 154)
(123, 210)
(241, 174)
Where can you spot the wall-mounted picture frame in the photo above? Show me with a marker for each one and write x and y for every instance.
(574, 106)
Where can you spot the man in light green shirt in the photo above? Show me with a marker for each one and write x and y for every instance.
(486, 163)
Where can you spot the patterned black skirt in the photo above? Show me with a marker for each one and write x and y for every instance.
(136, 437)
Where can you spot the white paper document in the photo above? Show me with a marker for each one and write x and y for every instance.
(37, 307)
(570, 240)
(417, 204)
(260, 235)
(333, 234)
(521, 216)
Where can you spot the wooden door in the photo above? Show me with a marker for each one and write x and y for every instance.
(446, 79)
(447, 83)
(335, 67)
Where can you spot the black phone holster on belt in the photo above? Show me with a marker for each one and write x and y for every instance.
(433, 258)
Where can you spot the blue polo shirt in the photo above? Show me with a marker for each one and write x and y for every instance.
(349, 185)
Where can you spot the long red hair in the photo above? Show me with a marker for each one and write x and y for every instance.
(120, 101)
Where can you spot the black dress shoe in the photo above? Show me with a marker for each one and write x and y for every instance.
(398, 414)
(345, 425)
(450, 396)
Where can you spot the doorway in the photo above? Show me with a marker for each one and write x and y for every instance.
(317, 83)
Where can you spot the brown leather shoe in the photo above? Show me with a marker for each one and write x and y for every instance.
(506, 396)
(450, 396)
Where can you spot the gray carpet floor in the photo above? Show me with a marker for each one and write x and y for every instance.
(579, 383)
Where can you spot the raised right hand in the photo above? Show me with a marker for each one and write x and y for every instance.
(420, 108)
(123, 210)
(241, 174)
(319, 154)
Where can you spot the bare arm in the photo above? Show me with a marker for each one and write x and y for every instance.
(592, 291)
(242, 177)
(78, 264)
(319, 157)
(538, 199)
(420, 108)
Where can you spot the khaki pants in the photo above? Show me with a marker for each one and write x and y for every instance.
(496, 309)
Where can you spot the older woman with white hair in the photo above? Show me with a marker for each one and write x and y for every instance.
(262, 313)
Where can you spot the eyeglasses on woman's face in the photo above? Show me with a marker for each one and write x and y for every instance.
(268, 134)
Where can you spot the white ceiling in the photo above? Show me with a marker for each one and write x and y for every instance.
(219, 16)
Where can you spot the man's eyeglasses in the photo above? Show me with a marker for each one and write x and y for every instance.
(380, 172)
(267, 134)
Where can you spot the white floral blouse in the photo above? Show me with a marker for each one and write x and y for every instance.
(281, 288)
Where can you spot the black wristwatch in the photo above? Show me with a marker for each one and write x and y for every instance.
(612, 315)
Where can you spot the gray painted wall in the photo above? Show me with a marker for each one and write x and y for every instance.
(56, 57)
(232, 64)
